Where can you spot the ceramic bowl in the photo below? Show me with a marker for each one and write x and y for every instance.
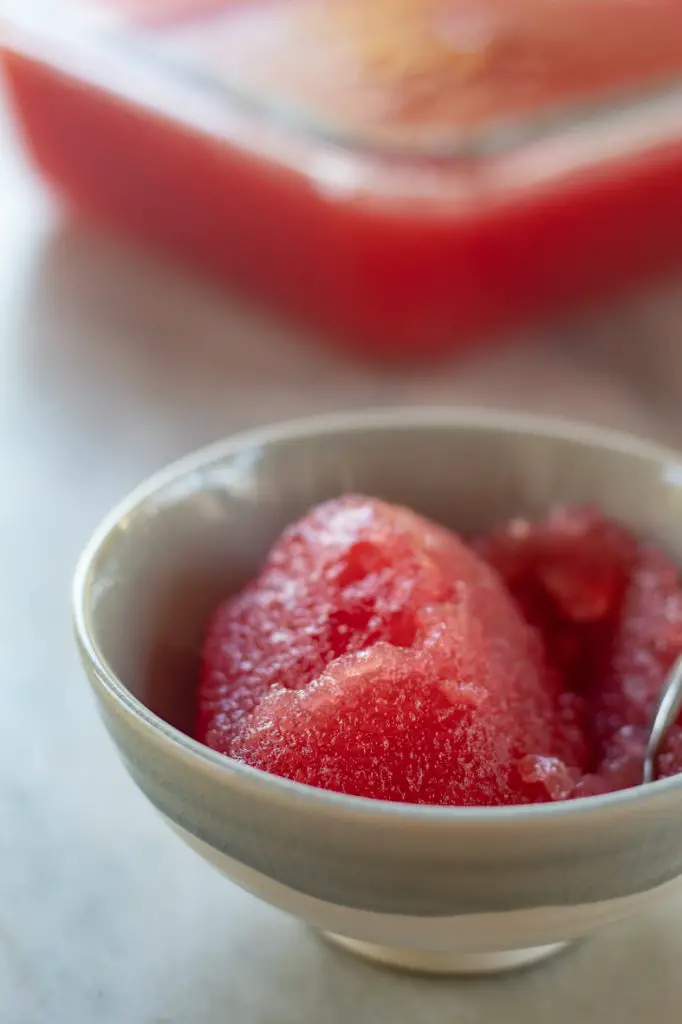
(429, 888)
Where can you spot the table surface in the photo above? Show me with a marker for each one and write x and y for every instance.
(110, 365)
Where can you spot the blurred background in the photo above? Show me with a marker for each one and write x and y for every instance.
(114, 360)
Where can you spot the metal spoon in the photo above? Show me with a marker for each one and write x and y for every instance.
(667, 711)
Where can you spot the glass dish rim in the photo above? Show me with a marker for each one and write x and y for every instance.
(98, 31)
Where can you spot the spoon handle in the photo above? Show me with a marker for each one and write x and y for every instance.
(667, 711)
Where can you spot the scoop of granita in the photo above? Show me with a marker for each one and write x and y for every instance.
(377, 655)
(568, 574)
(609, 608)
(631, 669)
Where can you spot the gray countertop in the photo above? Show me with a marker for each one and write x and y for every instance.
(111, 364)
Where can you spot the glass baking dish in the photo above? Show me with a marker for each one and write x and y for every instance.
(397, 241)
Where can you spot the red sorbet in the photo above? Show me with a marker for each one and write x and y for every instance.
(609, 609)
(377, 654)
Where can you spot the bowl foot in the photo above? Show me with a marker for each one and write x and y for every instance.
(436, 962)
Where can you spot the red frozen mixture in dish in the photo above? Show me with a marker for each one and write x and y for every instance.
(417, 69)
(371, 239)
(380, 655)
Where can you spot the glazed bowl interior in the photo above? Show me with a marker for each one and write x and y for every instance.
(199, 530)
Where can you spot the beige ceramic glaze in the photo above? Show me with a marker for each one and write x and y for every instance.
(439, 888)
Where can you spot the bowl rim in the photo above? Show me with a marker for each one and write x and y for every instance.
(478, 418)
